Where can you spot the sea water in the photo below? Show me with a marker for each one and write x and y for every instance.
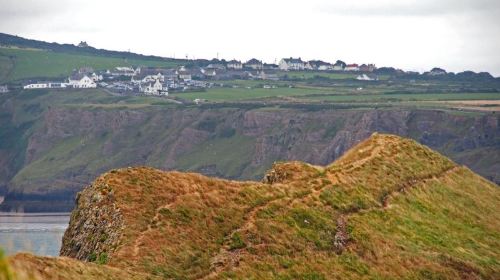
(37, 233)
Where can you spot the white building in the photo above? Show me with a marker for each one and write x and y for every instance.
(153, 88)
(351, 67)
(339, 66)
(4, 89)
(95, 77)
(41, 85)
(209, 72)
(288, 64)
(125, 71)
(81, 81)
(183, 74)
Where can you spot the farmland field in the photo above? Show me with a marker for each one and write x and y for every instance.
(325, 94)
(16, 64)
(323, 74)
(233, 94)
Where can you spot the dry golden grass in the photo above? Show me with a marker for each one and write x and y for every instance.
(388, 209)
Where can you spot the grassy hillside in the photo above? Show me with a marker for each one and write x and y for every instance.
(17, 64)
(388, 209)
(52, 142)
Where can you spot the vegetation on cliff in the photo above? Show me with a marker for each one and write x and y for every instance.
(388, 209)
(52, 144)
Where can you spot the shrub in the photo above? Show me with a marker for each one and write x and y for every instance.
(237, 242)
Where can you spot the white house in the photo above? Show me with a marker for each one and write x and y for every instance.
(209, 72)
(4, 89)
(319, 65)
(95, 77)
(234, 64)
(351, 67)
(152, 88)
(288, 64)
(339, 66)
(81, 81)
(183, 74)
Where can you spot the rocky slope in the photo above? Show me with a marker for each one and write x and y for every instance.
(387, 209)
(50, 151)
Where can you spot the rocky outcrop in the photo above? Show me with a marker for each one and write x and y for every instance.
(96, 224)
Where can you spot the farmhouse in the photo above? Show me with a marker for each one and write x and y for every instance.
(254, 64)
(339, 66)
(287, 64)
(234, 64)
(79, 80)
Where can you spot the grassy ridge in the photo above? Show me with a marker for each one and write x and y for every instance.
(16, 64)
(389, 209)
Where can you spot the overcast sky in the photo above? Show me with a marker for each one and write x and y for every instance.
(408, 34)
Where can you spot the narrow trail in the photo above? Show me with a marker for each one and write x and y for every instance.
(226, 257)
(342, 236)
(138, 240)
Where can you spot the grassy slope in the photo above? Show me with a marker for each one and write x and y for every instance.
(29, 267)
(17, 64)
(389, 209)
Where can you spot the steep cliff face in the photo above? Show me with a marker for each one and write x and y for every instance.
(67, 147)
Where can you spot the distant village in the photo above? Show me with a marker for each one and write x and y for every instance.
(160, 81)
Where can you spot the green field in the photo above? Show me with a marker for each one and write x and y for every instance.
(17, 64)
(326, 94)
(405, 97)
(234, 94)
(329, 75)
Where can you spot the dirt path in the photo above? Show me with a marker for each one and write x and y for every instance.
(342, 238)
(138, 240)
(226, 257)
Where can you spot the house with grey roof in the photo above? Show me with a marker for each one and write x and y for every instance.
(254, 64)
(289, 64)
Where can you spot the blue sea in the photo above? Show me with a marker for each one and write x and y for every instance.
(38, 233)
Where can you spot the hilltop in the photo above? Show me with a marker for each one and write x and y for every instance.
(22, 58)
(389, 208)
